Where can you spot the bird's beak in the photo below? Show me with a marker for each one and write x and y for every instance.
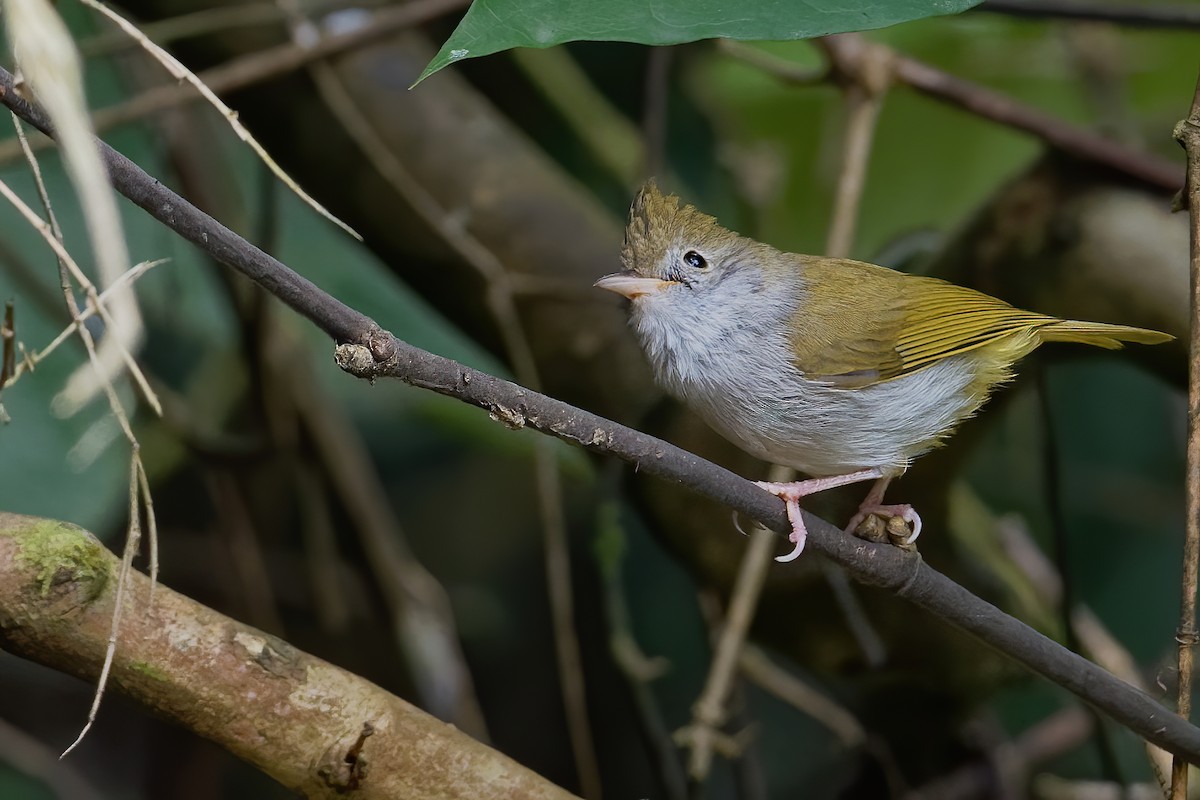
(630, 284)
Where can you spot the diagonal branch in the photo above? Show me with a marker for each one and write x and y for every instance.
(369, 352)
(847, 50)
(1135, 14)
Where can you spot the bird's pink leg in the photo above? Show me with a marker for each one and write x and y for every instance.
(791, 493)
(873, 504)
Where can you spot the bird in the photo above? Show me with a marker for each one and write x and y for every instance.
(842, 370)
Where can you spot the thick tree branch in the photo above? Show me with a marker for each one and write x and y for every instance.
(370, 352)
(315, 728)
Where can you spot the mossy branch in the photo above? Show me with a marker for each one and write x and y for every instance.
(315, 728)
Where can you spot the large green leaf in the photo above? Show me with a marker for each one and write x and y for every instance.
(494, 25)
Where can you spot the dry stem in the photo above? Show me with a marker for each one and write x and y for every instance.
(1187, 133)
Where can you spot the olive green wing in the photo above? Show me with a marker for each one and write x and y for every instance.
(861, 324)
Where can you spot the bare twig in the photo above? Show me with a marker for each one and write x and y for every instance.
(1071, 139)
(67, 268)
(248, 576)
(703, 735)
(137, 481)
(772, 64)
(1050, 738)
(8, 351)
(46, 54)
(502, 305)
(770, 677)
(369, 352)
(865, 72)
(1000, 108)
(1134, 15)
(262, 66)
(865, 77)
(599, 125)
(132, 539)
(417, 602)
(181, 73)
(320, 549)
(205, 22)
(1187, 133)
(654, 110)
(637, 668)
(30, 360)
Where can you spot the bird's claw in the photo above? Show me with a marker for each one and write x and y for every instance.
(902, 511)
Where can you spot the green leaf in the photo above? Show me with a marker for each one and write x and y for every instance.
(494, 25)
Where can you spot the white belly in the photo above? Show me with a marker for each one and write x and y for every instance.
(823, 430)
(742, 383)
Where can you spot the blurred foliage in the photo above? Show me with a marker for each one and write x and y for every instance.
(762, 156)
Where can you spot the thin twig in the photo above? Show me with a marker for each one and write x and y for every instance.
(1187, 133)
(320, 549)
(8, 356)
(1137, 15)
(866, 80)
(595, 120)
(638, 669)
(248, 578)
(1052, 737)
(67, 268)
(8, 336)
(703, 735)
(654, 110)
(770, 677)
(369, 352)
(263, 65)
(501, 303)
(1000, 108)
(772, 64)
(132, 538)
(182, 73)
(1070, 139)
(1110, 767)
(46, 54)
(30, 360)
(866, 74)
(206, 22)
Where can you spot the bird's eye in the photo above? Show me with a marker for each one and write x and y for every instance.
(694, 260)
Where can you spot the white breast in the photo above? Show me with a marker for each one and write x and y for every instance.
(739, 377)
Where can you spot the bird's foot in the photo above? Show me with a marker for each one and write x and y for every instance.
(790, 494)
(791, 499)
(897, 511)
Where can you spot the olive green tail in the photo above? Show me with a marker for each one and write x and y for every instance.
(1100, 334)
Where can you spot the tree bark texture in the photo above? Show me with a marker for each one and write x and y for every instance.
(310, 725)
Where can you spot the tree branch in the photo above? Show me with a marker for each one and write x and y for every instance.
(1187, 133)
(1134, 15)
(368, 351)
(850, 48)
(315, 728)
(263, 65)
